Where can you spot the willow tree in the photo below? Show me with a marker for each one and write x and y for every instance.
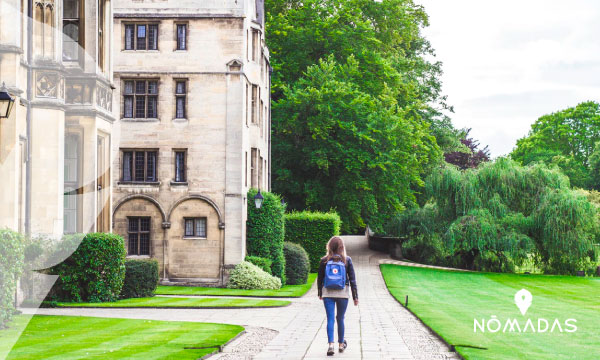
(500, 213)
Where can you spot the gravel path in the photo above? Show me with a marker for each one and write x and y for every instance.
(379, 328)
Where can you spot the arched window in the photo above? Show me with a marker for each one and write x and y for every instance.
(49, 31)
(72, 14)
(38, 30)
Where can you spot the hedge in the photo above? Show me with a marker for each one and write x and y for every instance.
(11, 267)
(250, 277)
(93, 273)
(141, 278)
(297, 264)
(265, 231)
(312, 230)
(263, 263)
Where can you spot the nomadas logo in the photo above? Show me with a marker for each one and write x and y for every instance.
(523, 300)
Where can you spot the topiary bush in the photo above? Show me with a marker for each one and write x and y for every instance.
(95, 272)
(11, 267)
(297, 264)
(312, 230)
(141, 278)
(263, 263)
(265, 231)
(250, 277)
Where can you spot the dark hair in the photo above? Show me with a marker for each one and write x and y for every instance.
(335, 247)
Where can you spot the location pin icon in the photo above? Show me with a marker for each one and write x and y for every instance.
(523, 300)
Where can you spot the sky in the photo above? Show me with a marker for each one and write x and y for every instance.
(506, 63)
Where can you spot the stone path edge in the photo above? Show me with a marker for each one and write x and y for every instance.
(221, 347)
(387, 262)
(170, 307)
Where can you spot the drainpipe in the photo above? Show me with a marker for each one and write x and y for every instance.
(28, 167)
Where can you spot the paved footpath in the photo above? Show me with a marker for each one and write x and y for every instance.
(379, 328)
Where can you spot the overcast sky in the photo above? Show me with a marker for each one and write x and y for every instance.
(506, 63)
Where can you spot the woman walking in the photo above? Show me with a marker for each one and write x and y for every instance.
(336, 272)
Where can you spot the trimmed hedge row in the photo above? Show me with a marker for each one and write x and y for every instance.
(141, 278)
(11, 267)
(95, 272)
(265, 231)
(297, 264)
(263, 263)
(250, 277)
(312, 230)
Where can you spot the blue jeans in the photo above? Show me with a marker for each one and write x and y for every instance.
(330, 304)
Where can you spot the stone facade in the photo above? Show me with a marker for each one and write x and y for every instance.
(63, 90)
(193, 95)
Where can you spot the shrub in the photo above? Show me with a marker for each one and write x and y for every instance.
(312, 230)
(94, 272)
(11, 266)
(297, 264)
(265, 231)
(141, 278)
(250, 277)
(424, 249)
(263, 263)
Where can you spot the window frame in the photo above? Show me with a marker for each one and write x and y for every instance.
(138, 233)
(179, 95)
(134, 95)
(186, 36)
(80, 21)
(135, 40)
(195, 234)
(185, 178)
(133, 166)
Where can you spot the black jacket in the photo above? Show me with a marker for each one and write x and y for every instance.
(350, 276)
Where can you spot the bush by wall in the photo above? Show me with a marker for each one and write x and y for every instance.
(263, 263)
(312, 230)
(94, 272)
(265, 231)
(250, 277)
(141, 278)
(11, 266)
(297, 264)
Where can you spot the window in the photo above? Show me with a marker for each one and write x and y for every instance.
(140, 99)
(246, 170)
(254, 102)
(255, 44)
(180, 166)
(139, 166)
(180, 99)
(253, 167)
(260, 118)
(141, 37)
(260, 172)
(181, 36)
(101, 32)
(139, 236)
(247, 102)
(195, 227)
(71, 29)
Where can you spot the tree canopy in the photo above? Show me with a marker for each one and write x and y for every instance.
(567, 139)
(355, 98)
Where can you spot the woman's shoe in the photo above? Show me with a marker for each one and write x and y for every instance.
(330, 351)
(343, 346)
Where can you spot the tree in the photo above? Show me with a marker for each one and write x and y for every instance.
(354, 98)
(566, 139)
(471, 156)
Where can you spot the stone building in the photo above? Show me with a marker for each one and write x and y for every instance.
(55, 145)
(193, 88)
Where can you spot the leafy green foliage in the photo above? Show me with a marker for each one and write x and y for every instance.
(494, 217)
(141, 278)
(11, 267)
(297, 264)
(354, 97)
(95, 272)
(568, 140)
(312, 230)
(250, 277)
(263, 263)
(265, 231)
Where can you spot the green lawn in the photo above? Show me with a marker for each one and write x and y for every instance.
(449, 301)
(174, 302)
(73, 337)
(285, 291)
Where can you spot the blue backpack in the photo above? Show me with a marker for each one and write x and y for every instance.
(335, 274)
